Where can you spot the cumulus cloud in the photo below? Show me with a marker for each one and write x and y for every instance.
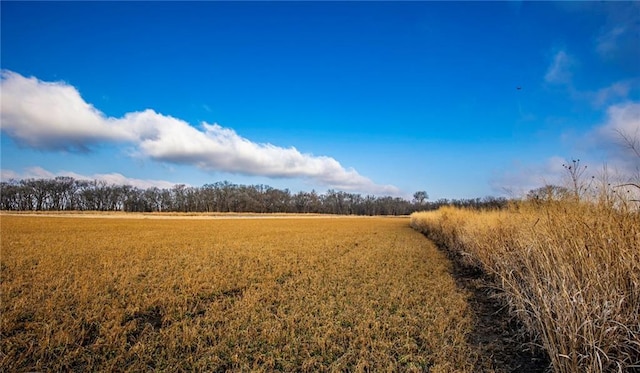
(216, 148)
(54, 116)
(559, 72)
(110, 178)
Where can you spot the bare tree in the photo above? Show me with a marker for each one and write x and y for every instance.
(632, 143)
(576, 174)
(419, 197)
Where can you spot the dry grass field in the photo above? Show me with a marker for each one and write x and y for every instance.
(570, 271)
(286, 294)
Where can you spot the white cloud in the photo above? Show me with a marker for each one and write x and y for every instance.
(617, 133)
(110, 178)
(54, 116)
(222, 149)
(559, 72)
(615, 91)
(6, 175)
(621, 118)
(605, 139)
(521, 178)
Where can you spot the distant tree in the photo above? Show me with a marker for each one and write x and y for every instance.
(420, 197)
(66, 193)
(494, 203)
(576, 175)
(10, 197)
(548, 193)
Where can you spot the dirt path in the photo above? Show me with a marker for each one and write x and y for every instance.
(497, 336)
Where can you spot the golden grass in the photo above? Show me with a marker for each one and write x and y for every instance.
(570, 271)
(316, 294)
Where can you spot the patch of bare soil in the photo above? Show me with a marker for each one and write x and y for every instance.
(498, 337)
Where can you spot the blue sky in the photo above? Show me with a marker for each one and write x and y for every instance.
(380, 98)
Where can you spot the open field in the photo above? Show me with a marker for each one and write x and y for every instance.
(570, 272)
(175, 215)
(313, 294)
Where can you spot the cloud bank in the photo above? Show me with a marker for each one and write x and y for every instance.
(54, 116)
(110, 178)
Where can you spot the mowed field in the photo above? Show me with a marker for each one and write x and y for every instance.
(181, 294)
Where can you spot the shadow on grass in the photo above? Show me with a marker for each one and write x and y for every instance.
(497, 336)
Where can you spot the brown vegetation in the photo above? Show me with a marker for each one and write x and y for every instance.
(316, 294)
(569, 269)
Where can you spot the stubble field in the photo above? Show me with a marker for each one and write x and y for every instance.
(286, 294)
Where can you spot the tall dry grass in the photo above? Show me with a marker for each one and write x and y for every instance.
(569, 268)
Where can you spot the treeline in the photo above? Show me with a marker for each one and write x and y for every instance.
(69, 194)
